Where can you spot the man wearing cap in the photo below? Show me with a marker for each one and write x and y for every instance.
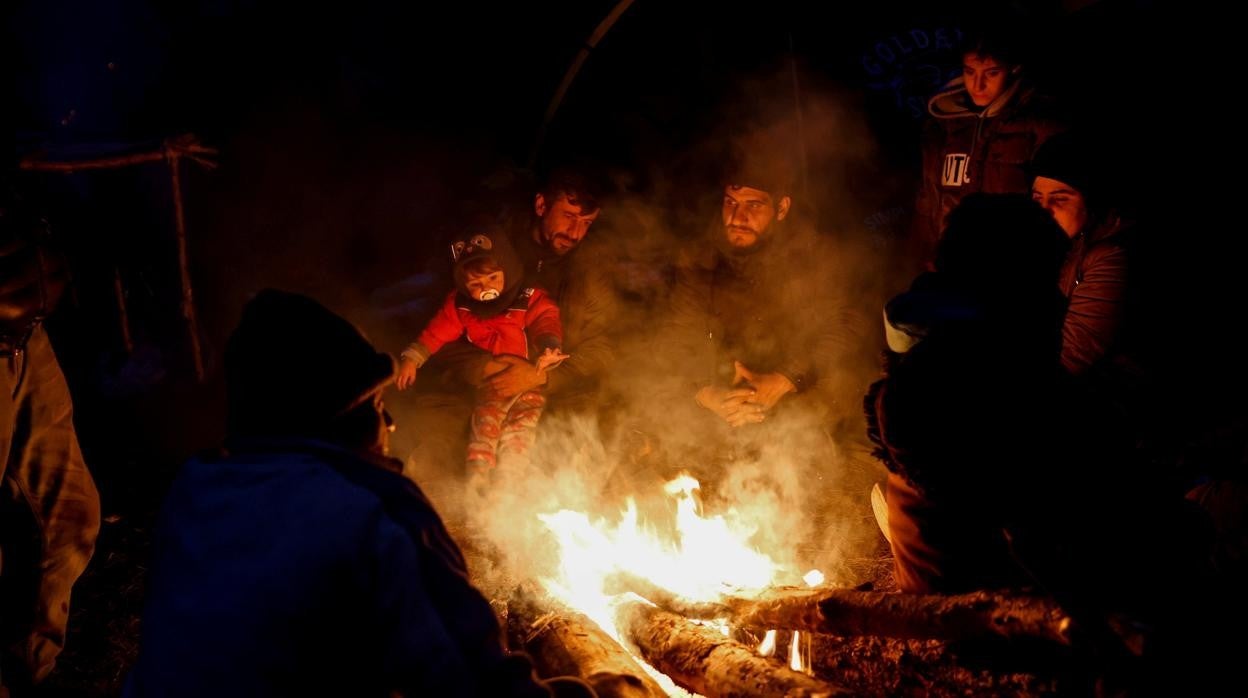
(298, 561)
(1094, 275)
(760, 320)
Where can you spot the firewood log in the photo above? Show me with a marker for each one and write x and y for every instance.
(563, 642)
(701, 659)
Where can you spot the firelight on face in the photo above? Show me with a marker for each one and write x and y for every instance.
(563, 223)
(484, 286)
(984, 77)
(748, 214)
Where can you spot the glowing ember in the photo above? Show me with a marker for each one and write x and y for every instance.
(683, 484)
(767, 647)
(798, 661)
(795, 652)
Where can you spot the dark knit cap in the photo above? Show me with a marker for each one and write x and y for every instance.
(1070, 160)
(487, 242)
(762, 159)
(770, 173)
(996, 245)
(292, 366)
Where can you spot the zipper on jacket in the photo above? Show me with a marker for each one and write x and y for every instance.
(970, 155)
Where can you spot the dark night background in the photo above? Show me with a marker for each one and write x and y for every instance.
(352, 136)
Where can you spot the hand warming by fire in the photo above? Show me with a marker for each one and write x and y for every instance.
(711, 596)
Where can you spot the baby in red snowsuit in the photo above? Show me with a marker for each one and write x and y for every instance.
(492, 309)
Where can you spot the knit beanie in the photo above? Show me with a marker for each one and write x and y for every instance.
(292, 366)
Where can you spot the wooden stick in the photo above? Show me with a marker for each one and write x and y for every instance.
(621, 582)
(184, 269)
(848, 612)
(171, 151)
(184, 146)
(93, 164)
(123, 315)
(563, 642)
(570, 74)
(960, 617)
(701, 659)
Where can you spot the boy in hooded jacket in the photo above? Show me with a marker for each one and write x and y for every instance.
(986, 127)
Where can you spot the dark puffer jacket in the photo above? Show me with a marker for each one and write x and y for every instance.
(1094, 282)
(296, 567)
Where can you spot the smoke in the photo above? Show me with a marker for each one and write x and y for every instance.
(344, 224)
(801, 479)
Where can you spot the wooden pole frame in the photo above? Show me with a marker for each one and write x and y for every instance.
(172, 151)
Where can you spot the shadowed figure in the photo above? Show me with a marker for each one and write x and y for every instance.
(1005, 472)
(299, 561)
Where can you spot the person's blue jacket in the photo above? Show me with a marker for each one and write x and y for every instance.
(299, 568)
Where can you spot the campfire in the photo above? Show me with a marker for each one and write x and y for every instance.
(699, 611)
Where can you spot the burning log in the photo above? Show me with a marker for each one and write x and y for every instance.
(847, 612)
(701, 659)
(885, 666)
(563, 642)
(621, 582)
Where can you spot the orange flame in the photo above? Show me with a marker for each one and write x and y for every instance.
(707, 557)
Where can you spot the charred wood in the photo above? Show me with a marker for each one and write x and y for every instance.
(701, 659)
(848, 612)
(563, 642)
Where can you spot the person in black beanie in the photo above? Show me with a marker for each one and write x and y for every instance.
(294, 369)
(299, 561)
(1093, 278)
(962, 415)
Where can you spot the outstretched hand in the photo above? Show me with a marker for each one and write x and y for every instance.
(406, 375)
(550, 358)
